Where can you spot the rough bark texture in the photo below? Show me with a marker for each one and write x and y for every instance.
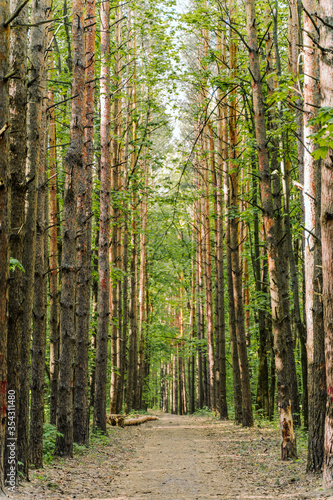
(208, 286)
(81, 405)
(199, 310)
(133, 307)
(142, 288)
(312, 249)
(34, 136)
(73, 166)
(39, 312)
(288, 442)
(53, 277)
(17, 161)
(233, 211)
(104, 225)
(232, 323)
(326, 78)
(221, 374)
(4, 227)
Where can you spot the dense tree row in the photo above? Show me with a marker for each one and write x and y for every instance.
(142, 266)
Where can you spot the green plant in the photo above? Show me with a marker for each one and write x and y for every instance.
(14, 263)
(50, 435)
(204, 412)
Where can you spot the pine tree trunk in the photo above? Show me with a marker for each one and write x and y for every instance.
(199, 311)
(191, 367)
(17, 163)
(312, 249)
(220, 356)
(73, 168)
(262, 398)
(142, 287)
(233, 210)
(81, 404)
(53, 277)
(4, 228)
(288, 443)
(283, 226)
(34, 136)
(232, 323)
(326, 78)
(133, 307)
(104, 227)
(208, 287)
(39, 312)
(116, 306)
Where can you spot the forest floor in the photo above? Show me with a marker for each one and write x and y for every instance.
(178, 457)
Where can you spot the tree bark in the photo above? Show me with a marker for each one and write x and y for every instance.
(142, 286)
(34, 136)
(288, 443)
(326, 78)
(73, 168)
(39, 312)
(84, 205)
(17, 165)
(53, 277)
(233, 210)
(116, 251)
(312, 248)
(4, 227)
(104, 227)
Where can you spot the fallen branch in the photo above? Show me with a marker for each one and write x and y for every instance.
(120, 420)
(140, 420)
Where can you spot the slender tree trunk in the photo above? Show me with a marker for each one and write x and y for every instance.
(116, 227)
(81, 404)
(191, 371)
(104, 227)
(34, 136)
(4, 228)
(17, 163)
(233, 210)
(262, 398)
(312, 248)
(283, 226)
(53, 277)
(142, 287)
(288, 446)
(221, 375)
(133, 307)
(73, 168)
(326, 78)
(39, 311)
(200, 391)
(231, 303)
(208, 287)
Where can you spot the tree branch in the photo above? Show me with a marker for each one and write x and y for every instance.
(15, 13)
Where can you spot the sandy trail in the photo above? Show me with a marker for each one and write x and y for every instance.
(179, 457)
(187, 457)
(176, 461)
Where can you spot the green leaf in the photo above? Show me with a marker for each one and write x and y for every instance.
(14, 263)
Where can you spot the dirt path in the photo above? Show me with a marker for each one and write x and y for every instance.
(181, 457)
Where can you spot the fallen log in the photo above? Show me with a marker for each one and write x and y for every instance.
(121, 421)
(140, 420)
(115, 420)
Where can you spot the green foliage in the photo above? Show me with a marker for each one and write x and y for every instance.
(50, 435)
(15, 264)
(204, 412)
(324, 136)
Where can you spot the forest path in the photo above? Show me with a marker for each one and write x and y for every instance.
(189, 457)
(179, 457)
